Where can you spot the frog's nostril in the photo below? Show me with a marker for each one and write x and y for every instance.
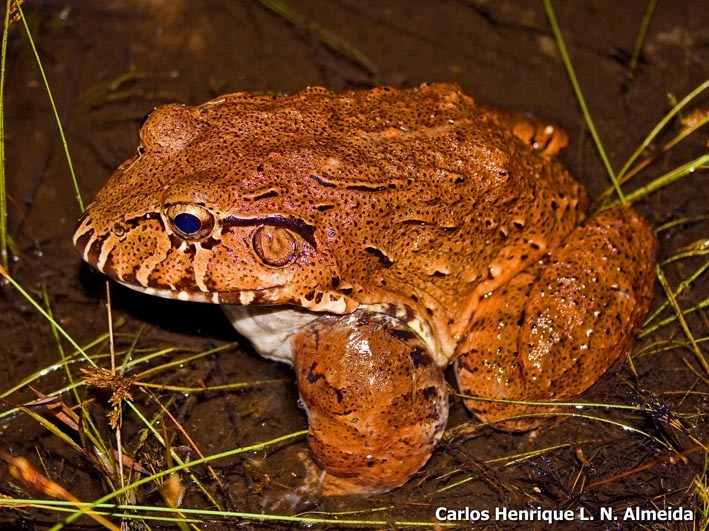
(118, 230)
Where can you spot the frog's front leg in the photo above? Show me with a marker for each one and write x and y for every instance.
(553, 330)
(377, 403)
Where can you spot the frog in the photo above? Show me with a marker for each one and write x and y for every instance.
(375, 239)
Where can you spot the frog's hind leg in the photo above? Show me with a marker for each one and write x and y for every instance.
(377, 403)
(551, 332)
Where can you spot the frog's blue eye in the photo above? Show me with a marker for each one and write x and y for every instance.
(187, 223)
(190, 221)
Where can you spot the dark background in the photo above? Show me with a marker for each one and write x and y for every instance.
(108, 63)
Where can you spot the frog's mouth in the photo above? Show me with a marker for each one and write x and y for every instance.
(260, 297)
(166, 293)
(273, 296)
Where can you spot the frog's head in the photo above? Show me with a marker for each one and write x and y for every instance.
(170, 224)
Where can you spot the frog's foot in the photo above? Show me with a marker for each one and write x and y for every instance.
(377, 403)
(545, 137)
(549, 335)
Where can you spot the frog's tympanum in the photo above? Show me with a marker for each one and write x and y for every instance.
(372, 238)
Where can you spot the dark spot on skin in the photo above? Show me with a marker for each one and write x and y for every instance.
(313, 377)
(209, 244)
(185, 283)
(95, 252)
(131, 279)
(266, 195)
(365, 188)
(383, 258)
(335, 282)
(430, 393)
(309, 296)
(521, 319)
(420, 357)
(462, 366)
(323, 208)
(81, 245)
(363, 319)
(403, 334)
(175, 240)
(321, 181)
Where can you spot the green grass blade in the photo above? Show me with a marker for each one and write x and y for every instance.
(642, 33)
(580, 98)
(661, 125)
(3, 191)
(670, 177)
(179, 468)
(49, 318)
(53, 105)
(330, 39)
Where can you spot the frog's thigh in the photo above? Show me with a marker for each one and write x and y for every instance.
(377, 404)
(489, 365)
(580, 317)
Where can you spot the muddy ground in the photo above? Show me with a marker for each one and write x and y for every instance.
(110, 62)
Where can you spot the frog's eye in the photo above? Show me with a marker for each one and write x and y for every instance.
(191, 222)
(275, 246)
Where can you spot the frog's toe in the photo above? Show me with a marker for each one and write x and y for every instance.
(546, 138)
(377, 404)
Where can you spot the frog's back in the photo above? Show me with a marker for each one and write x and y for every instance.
(432, 198)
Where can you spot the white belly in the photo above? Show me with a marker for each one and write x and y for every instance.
(269, 328)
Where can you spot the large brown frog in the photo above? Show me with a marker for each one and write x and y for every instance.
(370, 239)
